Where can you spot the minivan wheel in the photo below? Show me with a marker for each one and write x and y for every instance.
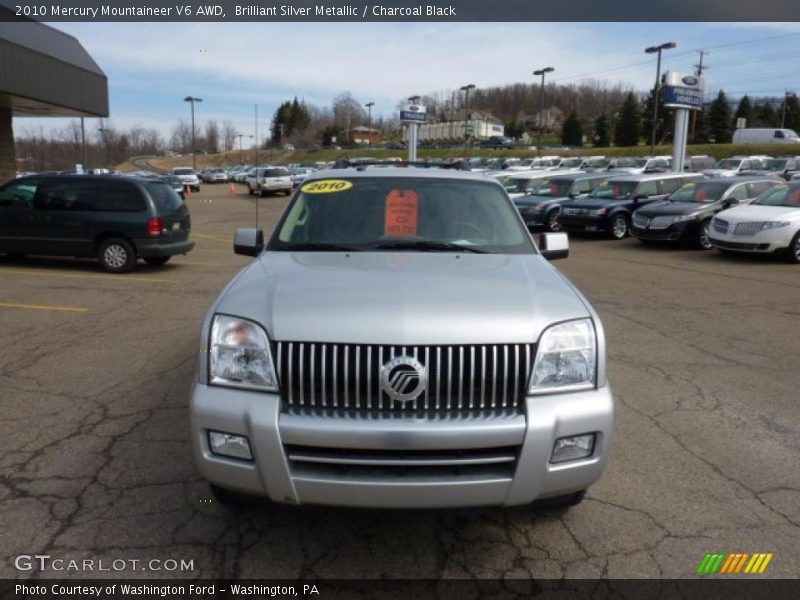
(116, 256)
(157, 261)
(230, 499)
(794, 249)
(702, 241)
(619, 227)
(553, 224)
(565, 501)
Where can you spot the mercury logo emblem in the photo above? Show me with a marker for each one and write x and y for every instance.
(403, 378)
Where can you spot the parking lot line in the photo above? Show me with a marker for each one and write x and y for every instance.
(209, 237)
(43, 307)
(86, 276)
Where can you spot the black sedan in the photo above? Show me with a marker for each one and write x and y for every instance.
(686, 213)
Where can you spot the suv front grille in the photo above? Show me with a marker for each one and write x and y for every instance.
(347, 376)
(747, 229)
(720, 225)
(342, 463)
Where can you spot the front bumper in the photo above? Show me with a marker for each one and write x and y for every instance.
(765, 242)
(274, 473)
(584, 223)
(673, 232)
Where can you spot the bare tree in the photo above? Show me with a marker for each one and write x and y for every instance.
(229, 133)
(211, 136)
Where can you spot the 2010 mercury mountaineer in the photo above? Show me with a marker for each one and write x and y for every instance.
(401, 342)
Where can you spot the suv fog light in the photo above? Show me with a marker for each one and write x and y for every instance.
(572, 448)
(229, 445)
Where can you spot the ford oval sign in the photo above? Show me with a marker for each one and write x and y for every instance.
(690, 80)
(413, 108)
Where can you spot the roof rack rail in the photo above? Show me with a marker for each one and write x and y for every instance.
(344, 163)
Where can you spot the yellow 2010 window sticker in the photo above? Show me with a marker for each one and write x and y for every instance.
(326, 186)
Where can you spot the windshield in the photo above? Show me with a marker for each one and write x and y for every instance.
(775, 165)
(401, 213)
(705, 191)
(780, 195)
(618, 190)
(276, 173)
(552, 187)
(728, 163)
(572, 162)
(522, 185)
(182, 171)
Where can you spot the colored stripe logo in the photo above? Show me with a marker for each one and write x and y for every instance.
(726, 563)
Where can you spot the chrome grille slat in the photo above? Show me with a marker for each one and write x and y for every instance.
(348, 377)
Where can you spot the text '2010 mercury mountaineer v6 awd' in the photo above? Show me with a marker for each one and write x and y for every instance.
(401, 342)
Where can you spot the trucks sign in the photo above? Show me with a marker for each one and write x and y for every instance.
(413, 113)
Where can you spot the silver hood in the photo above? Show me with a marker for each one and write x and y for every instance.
(402, 297)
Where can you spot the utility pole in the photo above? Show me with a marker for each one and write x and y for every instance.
(656, 50)
(241, 155)
(466, 89)
(83, 146)
(699, 72)
(541, 72)
(256, 134)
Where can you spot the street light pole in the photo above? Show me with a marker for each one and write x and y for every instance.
(541, 72)
(241, 155)
(192, 100)
(656, 50)
(466, 89)
(102, 131)
(369, 106)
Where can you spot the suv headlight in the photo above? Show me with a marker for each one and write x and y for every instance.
(566, 358)
(681, 218)
(773, 225)
(240, 356)
(598, 212)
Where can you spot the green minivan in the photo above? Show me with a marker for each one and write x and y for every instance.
(116, 219)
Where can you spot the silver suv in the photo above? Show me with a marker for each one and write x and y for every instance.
(401, 342)
(264, 180)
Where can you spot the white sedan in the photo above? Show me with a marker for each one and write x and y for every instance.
(771, 223)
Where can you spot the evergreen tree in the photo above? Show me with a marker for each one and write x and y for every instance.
(765, 115)
(514, 129)
(602, 137)
(720, 120)
(745, 111)
(572, 131)
(792, 120)
(629, 123)
(666, 118)
(700, 126)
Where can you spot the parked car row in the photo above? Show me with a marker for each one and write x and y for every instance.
(755, 213)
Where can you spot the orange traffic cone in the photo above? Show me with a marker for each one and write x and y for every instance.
(189, 192)
(232, 190)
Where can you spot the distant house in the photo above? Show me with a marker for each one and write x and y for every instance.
(552, 119)
(364, 136)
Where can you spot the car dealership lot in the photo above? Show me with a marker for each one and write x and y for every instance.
(95, 375)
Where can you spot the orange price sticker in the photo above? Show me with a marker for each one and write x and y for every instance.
(402, 214)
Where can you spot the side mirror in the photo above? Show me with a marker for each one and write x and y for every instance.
(731, 202)
(640, 197)
(249, 242)
(554, 245)
(572, 195)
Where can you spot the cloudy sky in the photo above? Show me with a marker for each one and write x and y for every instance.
(233, 66)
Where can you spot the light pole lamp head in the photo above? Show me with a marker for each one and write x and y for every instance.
(369, 104)
(665, 46)
(543, 71)
(192, 99)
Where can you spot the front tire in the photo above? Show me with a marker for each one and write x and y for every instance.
(116, 255)
(701, 241)
(553, 224)
(794, 249)
(620, 227)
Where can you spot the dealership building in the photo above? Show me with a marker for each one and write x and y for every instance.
(44, 73)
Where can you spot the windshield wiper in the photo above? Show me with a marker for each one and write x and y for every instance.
(426, 246)
(318, 247)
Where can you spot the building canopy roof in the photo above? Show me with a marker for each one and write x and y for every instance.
(45, 72)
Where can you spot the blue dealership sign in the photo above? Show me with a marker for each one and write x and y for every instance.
(683, 97)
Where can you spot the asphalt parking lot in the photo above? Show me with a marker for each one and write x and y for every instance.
(95, 462)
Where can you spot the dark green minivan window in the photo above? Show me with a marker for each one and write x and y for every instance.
(119, 196)
(57, 194)
(165, 197)
(18, 194)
